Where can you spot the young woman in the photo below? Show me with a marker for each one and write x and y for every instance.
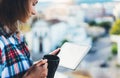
(14, 54)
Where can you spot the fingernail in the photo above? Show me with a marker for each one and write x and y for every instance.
(45, 60)
(58, 48)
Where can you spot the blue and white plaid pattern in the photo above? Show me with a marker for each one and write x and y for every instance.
(14, 56)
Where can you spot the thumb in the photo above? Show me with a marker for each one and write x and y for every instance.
(55, 52)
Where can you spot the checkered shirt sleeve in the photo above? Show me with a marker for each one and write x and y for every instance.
(14, 57)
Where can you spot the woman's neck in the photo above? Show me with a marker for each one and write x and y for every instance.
(7, 30)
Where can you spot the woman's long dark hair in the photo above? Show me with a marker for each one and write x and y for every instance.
(12, 11)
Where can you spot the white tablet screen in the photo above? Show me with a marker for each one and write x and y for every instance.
(71, 54)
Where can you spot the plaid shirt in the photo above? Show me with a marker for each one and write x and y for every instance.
(14, 56)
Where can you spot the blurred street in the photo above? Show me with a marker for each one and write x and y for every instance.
(95, 23)
(91, 67)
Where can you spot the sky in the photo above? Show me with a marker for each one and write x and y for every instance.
(93, 1)
(78, 1)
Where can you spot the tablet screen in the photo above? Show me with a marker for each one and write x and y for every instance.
(71, 54)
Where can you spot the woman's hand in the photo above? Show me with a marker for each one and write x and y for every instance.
(38, 70)
(55, 52)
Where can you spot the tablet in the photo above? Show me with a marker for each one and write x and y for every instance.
(71, 54)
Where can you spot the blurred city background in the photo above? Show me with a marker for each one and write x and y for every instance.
(89, 22)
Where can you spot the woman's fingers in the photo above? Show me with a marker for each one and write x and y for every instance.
(45, 65)
(45, 69)
(39, 70)
(42, 66)
(42, 62)
(55, 52)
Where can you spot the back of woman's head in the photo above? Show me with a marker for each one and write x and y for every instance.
(12, 11)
